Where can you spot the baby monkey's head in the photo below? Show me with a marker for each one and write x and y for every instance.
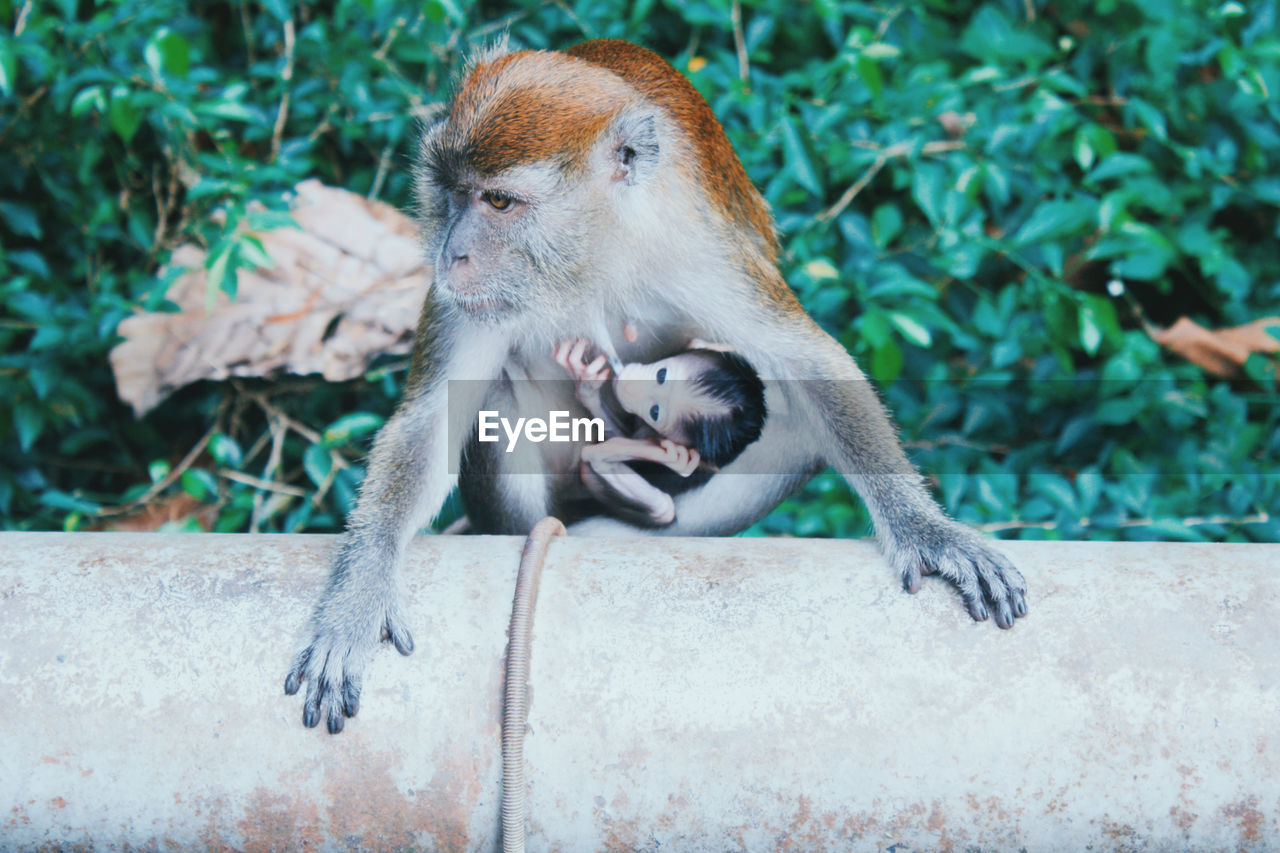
(709, 400)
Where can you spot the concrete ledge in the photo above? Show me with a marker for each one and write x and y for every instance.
(686, 695)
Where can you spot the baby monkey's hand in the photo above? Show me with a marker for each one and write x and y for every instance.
(571, 355)
(683, 460)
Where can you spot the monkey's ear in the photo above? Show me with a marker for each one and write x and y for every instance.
(634, 147)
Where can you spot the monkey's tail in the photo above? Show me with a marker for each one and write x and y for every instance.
(515, 706)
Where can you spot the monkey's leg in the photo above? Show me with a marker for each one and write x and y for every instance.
(916, 535)
(407, 481)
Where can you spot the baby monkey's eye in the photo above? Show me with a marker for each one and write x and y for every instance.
(496, 200)
(653, 413)
(662, 375)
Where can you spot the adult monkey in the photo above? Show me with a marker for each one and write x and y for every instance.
(564, 195)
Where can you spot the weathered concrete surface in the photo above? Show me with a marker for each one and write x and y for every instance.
(686, 694)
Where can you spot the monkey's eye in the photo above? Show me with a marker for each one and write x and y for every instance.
(497, 200)
(662, 375)
(653, 413)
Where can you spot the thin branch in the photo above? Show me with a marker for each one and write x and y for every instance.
(248, 33)
(273, 464)
(381, 53)
(898, 149)
(384, 166)
(739, 41)
(265, 485)
(887, 21)
(286, 75)
(1192, 521)
(169, 479)
(22, 19)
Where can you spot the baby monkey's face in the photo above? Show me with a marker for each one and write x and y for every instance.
(663, 395)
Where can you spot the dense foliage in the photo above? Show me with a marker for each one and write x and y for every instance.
(991, 205)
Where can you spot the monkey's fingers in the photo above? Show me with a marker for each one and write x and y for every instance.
(327, 695)
(398, 634)
(985, 578)
(293, 680)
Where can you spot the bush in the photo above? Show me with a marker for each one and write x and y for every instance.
(991, 206)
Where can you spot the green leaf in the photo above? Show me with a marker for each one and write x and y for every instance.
(89, 98)
(158, 469)
(886, 362)
(1090, 331)
(269, 220)
(21, 219)
(220, 274)
(253, 254)
(797, 159)
(230, 110)
(911, 329)
(29, 421)
(124, 117)
(1117, 165)
(200, 484)
(318, 462)
(1053, 219)
(1150, 117)
(451, 10)
(886, 224)
(8, 66)
(225, 450)
(166, 51)
(61, 500)
(351, 426)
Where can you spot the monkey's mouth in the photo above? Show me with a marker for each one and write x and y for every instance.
(479, 305)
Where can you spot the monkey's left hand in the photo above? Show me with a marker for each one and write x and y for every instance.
(344, 631)
(987, 581)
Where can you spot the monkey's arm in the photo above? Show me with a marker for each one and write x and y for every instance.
(406, 483)
(918, 538)
(621, 488)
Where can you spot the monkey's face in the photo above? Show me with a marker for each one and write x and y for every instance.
(487, 237)
(521, 185)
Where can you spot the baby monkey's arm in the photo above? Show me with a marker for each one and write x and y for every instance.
(588, 380)
(614, 483)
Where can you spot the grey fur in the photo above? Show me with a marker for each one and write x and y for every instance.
(565, 265)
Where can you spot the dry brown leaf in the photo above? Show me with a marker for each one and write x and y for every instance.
(1221, 352)
(354, 270)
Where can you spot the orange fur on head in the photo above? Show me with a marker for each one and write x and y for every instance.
(535, 106)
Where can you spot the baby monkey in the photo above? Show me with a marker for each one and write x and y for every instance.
(694, 411)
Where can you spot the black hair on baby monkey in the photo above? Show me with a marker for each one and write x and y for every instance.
(731, 382)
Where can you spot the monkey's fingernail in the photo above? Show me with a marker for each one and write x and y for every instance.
(1004, 616)
(292, 683)
(310, 716)
(336, 722)
(351, 700)
(978, 611)
(403, 642)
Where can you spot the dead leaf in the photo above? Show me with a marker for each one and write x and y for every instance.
(1221, 352)
(344, 289)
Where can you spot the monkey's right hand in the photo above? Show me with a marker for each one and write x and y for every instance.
(344, 634)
